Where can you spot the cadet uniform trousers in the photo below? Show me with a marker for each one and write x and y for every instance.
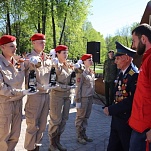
(84, 112)
(37, 105)
(10, 121)
(36, 112)
(59, 112)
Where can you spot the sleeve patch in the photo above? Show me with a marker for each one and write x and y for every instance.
(78, 80)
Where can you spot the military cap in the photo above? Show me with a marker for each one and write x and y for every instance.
(37, 36)
(86, 56)
(61, 48)
(111, 51)
(123, 50)
(7, 39)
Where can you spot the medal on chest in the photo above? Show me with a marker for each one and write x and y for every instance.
(121, 92)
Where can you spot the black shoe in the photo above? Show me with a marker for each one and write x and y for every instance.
(81, 141)
(60, 147)
(88, 139)
(37, 148)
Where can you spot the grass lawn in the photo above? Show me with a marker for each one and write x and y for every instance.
(98, 68)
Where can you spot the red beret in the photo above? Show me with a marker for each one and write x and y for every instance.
(86, 56)
(37, 36)
(61, 48)
(7, 39)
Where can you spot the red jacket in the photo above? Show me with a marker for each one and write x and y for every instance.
(140, 118)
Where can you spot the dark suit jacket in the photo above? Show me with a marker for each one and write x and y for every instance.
(124, 92)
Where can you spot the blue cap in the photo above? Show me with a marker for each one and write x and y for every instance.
(123, 50)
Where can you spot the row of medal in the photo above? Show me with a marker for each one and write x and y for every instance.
(121, 92)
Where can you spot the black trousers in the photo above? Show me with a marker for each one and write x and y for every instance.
(119, 140)
(109, 92)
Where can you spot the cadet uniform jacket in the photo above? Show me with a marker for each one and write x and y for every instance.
(140, 119)
(63, 71)
(85, 85)
(110, 70)
(42, 71)
(124, 92)
(11, 80)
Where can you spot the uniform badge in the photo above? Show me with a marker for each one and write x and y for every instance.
(124, 91)
(119, 82)
(125, 80)
(78, 80)
(125, 94)
(119, 87)
(123, 87)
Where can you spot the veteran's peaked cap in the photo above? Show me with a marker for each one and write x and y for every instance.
(123, 50)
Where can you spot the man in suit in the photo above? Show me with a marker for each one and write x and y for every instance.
(124, 91)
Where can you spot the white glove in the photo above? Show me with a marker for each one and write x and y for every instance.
(67, 86)
(78, 105)
(103, 81)
(55, 61)
(48, 86)
(80, 62)
(76, 66)
(34, 60)
(27, 92)
(52, 53)
(82, 66)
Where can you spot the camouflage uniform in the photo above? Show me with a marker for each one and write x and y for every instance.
(109, 75)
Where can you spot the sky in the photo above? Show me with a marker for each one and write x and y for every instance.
(108, 16)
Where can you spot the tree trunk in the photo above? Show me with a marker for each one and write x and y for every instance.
(38, 30)
(64, 24)
(44, 15)
(8, 26)
(53, 25)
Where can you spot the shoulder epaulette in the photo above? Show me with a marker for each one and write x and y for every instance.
(131, 72)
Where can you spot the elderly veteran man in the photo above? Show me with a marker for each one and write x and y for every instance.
(12, 76)
(124, 91)
(37, 105)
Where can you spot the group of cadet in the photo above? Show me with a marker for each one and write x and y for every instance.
(43, 98)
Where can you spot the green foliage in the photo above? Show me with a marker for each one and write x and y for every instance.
(122, 35)
(62, 21)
